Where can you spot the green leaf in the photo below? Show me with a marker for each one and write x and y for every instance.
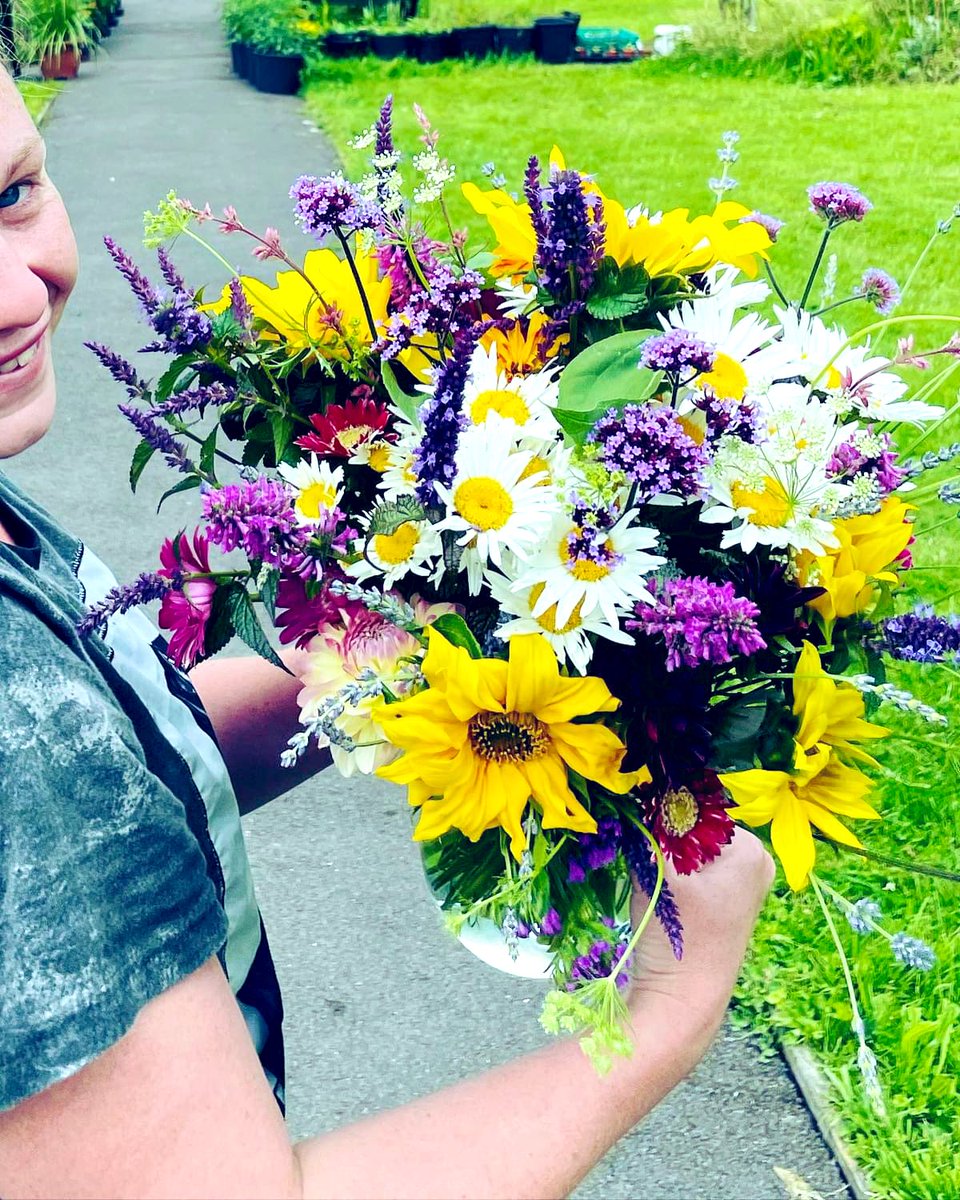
(268, 593)
(219, 628)
(388, 517)
(141, 456)
(282, 428)
(577, 425)
(185, 485)
(167, 383)
(457, 632)
(406, 405)
(208, 451)
(615, 308)
(607, 372)
(617, 292)
(248, 627)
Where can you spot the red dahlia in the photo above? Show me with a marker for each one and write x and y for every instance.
(691, 823)
(344, 428)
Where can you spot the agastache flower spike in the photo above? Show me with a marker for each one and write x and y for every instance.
(145, 589)
(121, 370)
(443, 419)
(157, 436)
(150, 299)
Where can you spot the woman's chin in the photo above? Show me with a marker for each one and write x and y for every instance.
(24, 425)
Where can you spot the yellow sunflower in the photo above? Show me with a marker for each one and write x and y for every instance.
(488, 737)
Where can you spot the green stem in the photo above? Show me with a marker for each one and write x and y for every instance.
(650, 909)
(374, 333)
(875, 327)
(912, 449)
(886, 860)
(775, 284)
(836, 304)
(816, 266)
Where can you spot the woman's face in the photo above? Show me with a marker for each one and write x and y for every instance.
(38, 268)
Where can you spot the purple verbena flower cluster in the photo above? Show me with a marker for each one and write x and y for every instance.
(589, 539)
(448, 306)
(650, 446)
(879, 289)
(837, 203)
(729, 418)
(677, 351)
(145, 588)
(700, 621)
(331, 205)
(771, 224)
(871, 455)
(921, 636)
(258, 517)
(443, 419)
(599, 850)
(569, 228)
(158, 436)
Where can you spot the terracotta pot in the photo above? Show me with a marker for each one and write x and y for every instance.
(65, 65)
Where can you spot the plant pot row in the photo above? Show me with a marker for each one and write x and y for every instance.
(551, 39)
(65, 64)
(277, 74)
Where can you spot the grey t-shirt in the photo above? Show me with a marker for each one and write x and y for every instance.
(122, 867)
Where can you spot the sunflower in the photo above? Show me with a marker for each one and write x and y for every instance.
(488, 737)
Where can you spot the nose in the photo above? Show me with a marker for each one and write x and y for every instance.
(23, 294)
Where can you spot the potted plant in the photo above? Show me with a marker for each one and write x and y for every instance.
(54, 33)
(474, 41)
(515, 39)
(347, 43)
(554, 38)
(239, 23)
(388, 37)
(278, 44)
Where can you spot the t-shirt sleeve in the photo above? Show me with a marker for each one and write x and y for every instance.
(105, 900)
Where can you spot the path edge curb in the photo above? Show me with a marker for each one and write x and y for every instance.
(813, 1086)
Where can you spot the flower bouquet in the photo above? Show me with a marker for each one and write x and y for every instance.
(591, 539)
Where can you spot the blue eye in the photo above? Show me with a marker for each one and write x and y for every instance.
(12, 195)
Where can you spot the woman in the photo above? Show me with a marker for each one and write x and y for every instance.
(140, 1052)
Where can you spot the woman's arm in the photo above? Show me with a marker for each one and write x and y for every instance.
(253, 707)
(180, 1107)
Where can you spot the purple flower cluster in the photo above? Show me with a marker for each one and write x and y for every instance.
(700, 621)
(640, 858)
(771, 224)
(331, 205)
(921, 636)
(729, 418)
(258, 517)
(589, 539)
(599, 963)
(121, 370)
(158, 436)
(240, 305)
(677, 351)
(837, 203)
(912, 952)
(145, 588)
(443, 420)
(650, 446)
(394, 261)
(850, 459)
(446, 307)
(879, 289)
(181, 326)
(150, 299)
(569, 228)
(197, 399)
(599, 850)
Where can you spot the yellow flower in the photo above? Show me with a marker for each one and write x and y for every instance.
(489, 736)
(511, 223)
(522, 352)
(868, 546)
(821, 787)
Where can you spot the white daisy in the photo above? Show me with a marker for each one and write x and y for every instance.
(526, 401)
(570, 641)
(399, 478)
(493, 503)
(586, 567)
(319, 488)
(412, 549)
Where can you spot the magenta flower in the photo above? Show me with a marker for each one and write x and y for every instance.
(879, 289)
(700, 621)
(837, 203)
(185, 613)
(771, 224)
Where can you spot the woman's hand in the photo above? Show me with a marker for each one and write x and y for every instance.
(718, 907)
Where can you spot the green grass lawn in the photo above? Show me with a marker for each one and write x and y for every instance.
(38, 96)
(650, 134)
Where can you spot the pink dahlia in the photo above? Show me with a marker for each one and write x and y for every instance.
(691, 823)
(343, 428)
(186, 609)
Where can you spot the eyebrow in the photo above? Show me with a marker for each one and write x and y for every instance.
(23, 151)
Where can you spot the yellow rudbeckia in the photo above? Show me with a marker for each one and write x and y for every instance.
(488, 737)
(821, 788)
(868, 545)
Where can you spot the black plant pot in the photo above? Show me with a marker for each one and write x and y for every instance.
(555, 37)
(278, 74)
(515, 39)
(347, 45)
(433, 47)
(474, 41)
(240, 59)
(388, 45)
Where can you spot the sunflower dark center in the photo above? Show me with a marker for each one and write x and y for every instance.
(679, 811)
(508, 737)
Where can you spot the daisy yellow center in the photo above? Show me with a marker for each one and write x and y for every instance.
(484, 502)
(586, 570)
(379, 458)
(509, 405)
(727, 380)
(508, 737)
(771, 507)
(679, 811)
(537, 466)
(548, 619)
(316, 498)
(397, 547)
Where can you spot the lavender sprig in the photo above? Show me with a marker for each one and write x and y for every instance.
(145, 589)
(159, 437)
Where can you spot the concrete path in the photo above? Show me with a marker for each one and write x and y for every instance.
(382, 1006)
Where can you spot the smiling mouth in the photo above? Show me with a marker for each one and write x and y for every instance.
(23, 359)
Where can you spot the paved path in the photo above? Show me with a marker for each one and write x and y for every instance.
(382, 1005)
